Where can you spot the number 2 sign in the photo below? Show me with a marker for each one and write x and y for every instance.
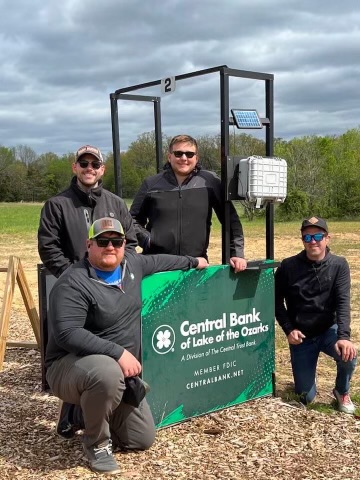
(168, 85)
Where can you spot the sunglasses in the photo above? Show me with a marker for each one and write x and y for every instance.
(104, 242)
(316, 236)
(179, 154)
(85, 164)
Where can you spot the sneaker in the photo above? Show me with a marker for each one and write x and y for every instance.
(345, 404)
(65, 424)
(101, 458)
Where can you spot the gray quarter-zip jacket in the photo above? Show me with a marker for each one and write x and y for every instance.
(87, 316)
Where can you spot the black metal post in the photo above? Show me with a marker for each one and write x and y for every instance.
(116, 144)
(224, 114)
(158, 135)
(269, 96)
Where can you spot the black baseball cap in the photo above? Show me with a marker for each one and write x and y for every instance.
(314, 222)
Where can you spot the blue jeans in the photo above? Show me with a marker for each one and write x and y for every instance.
(304, 358)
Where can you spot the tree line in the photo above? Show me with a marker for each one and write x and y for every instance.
(323, 171)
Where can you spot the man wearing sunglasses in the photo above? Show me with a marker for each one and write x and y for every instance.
(66, 218)
(312, 306)
(173, 209)
(94, 342)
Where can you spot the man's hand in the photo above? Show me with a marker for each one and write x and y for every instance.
(129, 365)
(295, 337)
(238, 264)
(203, 263)
(346, 349)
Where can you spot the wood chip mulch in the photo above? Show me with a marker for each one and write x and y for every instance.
(262, 439)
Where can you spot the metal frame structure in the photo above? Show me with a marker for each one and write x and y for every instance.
(225, 73)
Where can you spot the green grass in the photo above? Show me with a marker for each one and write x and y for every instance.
(289, 396)
(24, 218)
(19, 218)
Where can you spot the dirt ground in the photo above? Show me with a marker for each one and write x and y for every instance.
(269, 438)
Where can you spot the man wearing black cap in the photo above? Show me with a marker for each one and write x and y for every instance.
(312, 306)
(93, 353)
(66, 218)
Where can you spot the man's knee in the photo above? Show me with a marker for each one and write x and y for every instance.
(104, 373)
(141, 441)
(147, 439)
(308, 396)
(133, 428)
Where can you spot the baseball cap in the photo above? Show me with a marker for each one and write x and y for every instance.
(315, 222)
(105, 224)
(90, 150)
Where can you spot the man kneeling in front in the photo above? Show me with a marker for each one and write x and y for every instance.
(93, 352)
(312, 306)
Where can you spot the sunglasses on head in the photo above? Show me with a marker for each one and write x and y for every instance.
(104, 242)
(315, 236)
(179, 154)
(84, 164)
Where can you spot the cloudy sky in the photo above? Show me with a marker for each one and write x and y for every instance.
(61, 60)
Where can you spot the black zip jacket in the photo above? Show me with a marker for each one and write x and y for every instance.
(176, 219)
(316, 294)
(65, 221)
(87, 316)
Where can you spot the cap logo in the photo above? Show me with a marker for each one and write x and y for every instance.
(106, 223)
(313, 220)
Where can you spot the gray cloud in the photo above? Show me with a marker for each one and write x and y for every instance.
(61, 60)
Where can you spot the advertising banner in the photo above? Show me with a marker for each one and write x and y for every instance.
(207, 340)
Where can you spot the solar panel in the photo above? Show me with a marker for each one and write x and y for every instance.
(246, 118)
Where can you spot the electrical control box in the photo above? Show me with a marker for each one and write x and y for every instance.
(262, 179)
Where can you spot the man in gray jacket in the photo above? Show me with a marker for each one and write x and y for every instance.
(93, 354)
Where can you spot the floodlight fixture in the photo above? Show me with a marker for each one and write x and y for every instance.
(246, 118)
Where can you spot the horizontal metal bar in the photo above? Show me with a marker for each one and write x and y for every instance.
(261, 265)
(247, 74)
(136, 98)
(178, 77)
(265, 121)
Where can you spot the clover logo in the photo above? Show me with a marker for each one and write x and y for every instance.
(163, 339)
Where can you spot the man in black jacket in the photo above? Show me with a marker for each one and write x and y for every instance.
(173, 209)
(66, 218)
(93, 353)
(315, 285)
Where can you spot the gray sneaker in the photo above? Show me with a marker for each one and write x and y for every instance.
(101, 458)
(345, 404)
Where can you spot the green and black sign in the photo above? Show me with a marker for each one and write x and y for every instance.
(207, 340)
